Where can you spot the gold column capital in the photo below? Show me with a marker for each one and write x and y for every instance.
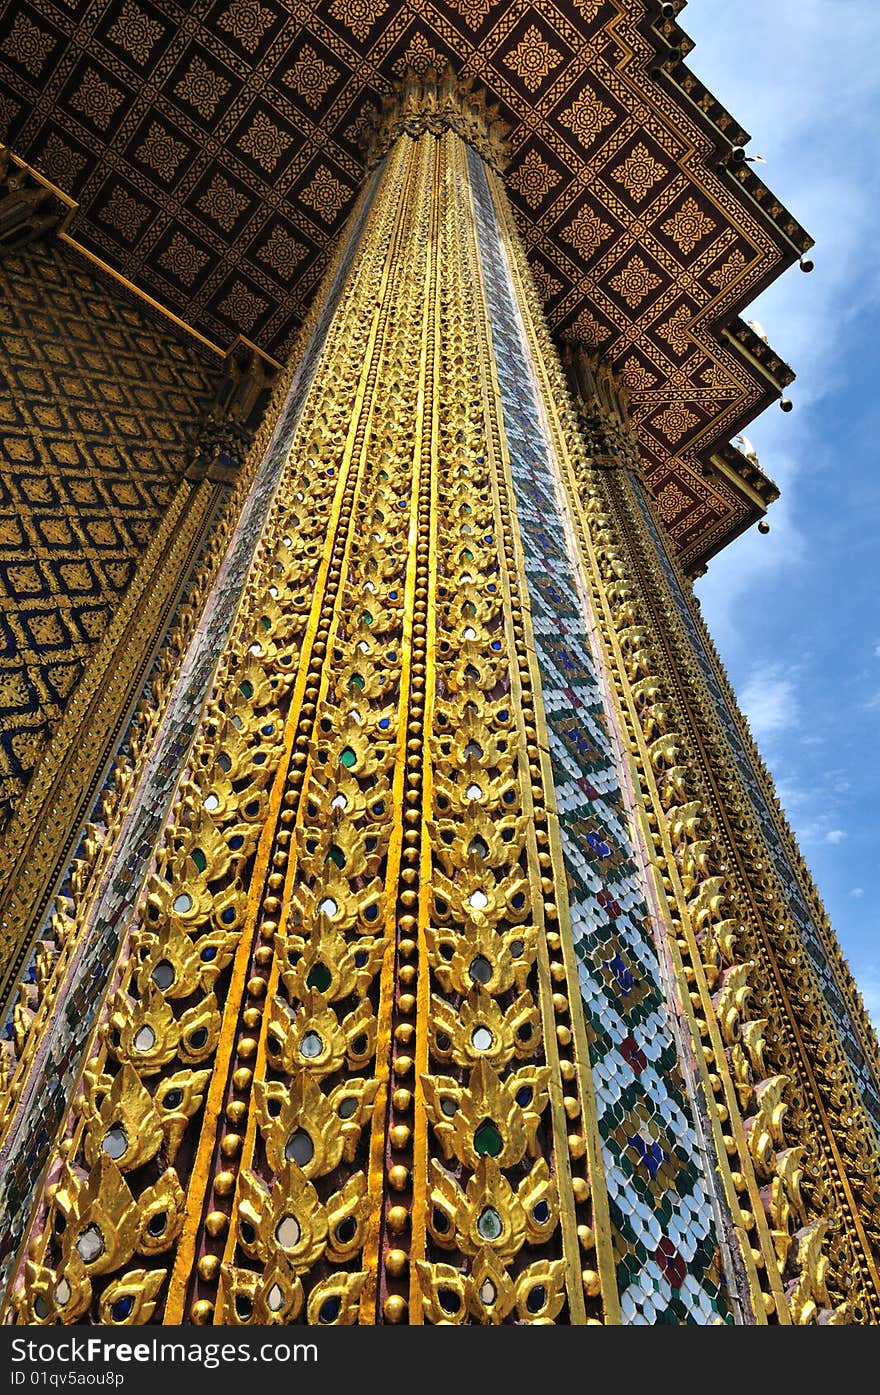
(603, 404)
(438, 101)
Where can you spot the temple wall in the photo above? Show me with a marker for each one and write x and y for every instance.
(99, 407)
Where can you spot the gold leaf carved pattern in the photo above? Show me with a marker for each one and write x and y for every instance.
(547, 284)
(364, 124)
(125, 213)
(420, 57)
(639, 172)
(312, 1207)
(358, 15)
(586, 329)
(161, 151)
(310, 76)
(263, 141)
(587, 117)
(96, 99)
(534, 179)
(243, 306)
(62, 165)
(9, 109)
(28, 44)
(676, 330)
(247, 21)
(281, 252)
(325, 194)
(223, 203)
(728, 271)
(636, 375)
(202, 88)
(671, 502)
(135, 31)
(486, 1089)
(715, 376)
(183, 259)
(473, 12)
(674, 422)
(586, 232)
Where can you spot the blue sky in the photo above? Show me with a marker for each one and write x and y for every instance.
(795, 614)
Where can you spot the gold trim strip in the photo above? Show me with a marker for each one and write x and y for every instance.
(414, 157)
(142, 295)
(418, 1243)
(729, 473)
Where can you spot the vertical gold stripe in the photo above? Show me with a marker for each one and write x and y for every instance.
(413, 205)
(446, 147)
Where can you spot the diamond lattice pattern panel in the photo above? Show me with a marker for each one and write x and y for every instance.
(98, 408)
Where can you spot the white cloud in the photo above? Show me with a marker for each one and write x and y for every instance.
(835, 835)
(769, 700)
(800, 84)
(791, 795)
(857, 892)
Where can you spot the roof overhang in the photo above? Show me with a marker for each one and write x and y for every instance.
(214, 158)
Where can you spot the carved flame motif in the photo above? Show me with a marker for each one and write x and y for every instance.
(315, 1094)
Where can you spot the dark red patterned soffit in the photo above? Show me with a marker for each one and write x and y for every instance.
(214, 151)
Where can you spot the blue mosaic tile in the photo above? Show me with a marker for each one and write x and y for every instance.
(659, 1186)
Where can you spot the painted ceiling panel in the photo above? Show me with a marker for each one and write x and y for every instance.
(215, 149)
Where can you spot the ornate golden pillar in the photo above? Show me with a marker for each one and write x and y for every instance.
(791, 1059)
(400, 1028)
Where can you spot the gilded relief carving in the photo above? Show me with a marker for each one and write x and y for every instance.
(459, 984)
(264, 1006)
(742, 1028)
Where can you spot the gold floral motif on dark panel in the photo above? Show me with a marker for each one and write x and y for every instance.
(214, 149)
